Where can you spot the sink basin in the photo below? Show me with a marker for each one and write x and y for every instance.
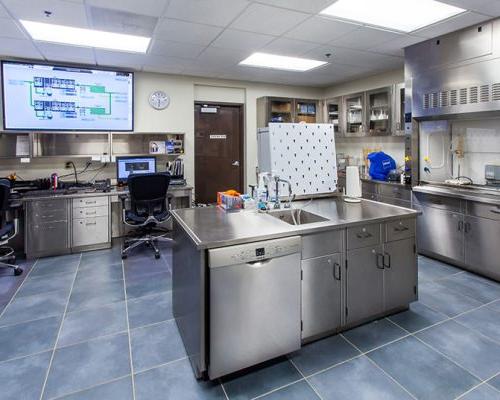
(306, 217)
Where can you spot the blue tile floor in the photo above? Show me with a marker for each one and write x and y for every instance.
(89, 326)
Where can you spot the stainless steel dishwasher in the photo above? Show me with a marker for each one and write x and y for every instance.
(254, 306)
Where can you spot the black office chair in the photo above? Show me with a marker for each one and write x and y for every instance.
(149, 206)
(8, 229)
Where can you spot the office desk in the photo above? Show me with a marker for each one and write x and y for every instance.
(69, 223)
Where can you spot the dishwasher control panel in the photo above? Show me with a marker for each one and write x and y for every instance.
(252, 252)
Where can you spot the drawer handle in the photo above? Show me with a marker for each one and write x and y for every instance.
(91, 223)
(388, 263)
(401, 228)
(363, 235)
(91, 213)
(90, 202)
(460, 226)
(467, 227)
(495, 211)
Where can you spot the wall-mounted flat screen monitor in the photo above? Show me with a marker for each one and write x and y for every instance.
(41, 97)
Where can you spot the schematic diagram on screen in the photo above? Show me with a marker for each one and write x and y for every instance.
(70, 99)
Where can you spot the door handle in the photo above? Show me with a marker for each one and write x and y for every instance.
(235, 163)
(467, 227)
(380, 261)
(336, 271)
(460, 226)
(387, 265)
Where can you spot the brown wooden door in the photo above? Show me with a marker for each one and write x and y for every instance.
(218, 150)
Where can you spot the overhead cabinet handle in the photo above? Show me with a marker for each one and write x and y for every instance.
(380, 261)
(336, 271)
(388, 263)
(495, 211)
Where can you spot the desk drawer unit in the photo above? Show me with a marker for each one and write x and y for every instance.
(363, 236)
(91, 201)
(90, 231)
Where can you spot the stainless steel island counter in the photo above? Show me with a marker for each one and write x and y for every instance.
(250, 286)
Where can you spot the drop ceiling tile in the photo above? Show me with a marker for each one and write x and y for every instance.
(452, 24)
(114, 58)
(63, 12)
(289, 47)
(175, 49)
(235, 39)
(321, 30)
(162, 69)
(57, 52)
(186, 32)
(487, 7)
(154, 8)
(9, 29)
(3, 12)
(365, 38)
(217, 58)
(210, 12)
(21, 48)
(310, 6)
(121, 21)
(268, 20)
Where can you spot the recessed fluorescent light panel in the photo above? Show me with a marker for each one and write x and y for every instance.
(400, 15)
(273, 61)
(86, 37)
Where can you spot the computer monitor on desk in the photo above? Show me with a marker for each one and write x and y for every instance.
(137, 165)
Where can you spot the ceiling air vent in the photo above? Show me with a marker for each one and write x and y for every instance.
(444, 99)
(484, 93)
(463, 96)
(495, 92)
(453, 97)
(473, 94)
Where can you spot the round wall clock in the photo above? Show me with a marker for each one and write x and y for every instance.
(159, 100)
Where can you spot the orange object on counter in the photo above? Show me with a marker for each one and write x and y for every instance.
(229, 200)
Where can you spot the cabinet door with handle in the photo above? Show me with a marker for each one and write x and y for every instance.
(365, 283)
(321, 294)
(481, 246)
(400, 273)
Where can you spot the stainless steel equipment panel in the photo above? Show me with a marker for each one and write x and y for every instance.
(435, 201)
(254, 304)
(321, 244)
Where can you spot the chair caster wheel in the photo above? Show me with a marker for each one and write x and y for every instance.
(124, 256)
(157, 256)
(18, 271)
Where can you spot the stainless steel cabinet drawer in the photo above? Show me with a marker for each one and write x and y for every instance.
(89, 231)
(434, 201)
(90, 201)
(397, 192)
(322, 244)
(100, 211)
(483, 210)
(47, 237)
(401, 229)
(48, 210)
(362, 236)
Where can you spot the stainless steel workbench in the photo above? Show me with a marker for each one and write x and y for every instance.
(212, 227)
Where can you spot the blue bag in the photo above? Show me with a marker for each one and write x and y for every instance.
(380, 165)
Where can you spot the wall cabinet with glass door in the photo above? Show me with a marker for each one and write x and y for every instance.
(398, 121)
(334, 115)
(354, 113)
(286, 110)
(379, 111)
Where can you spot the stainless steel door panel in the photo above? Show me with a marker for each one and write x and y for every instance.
(482, 250)
(369, 187)
(400, 273)
(441, 232)
(321, 295)
(362, 236)
(365, 287)
(321, 244)
(47, 237)
(401, 229)
(254, 313)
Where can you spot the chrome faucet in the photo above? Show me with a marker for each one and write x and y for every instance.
(277, 181)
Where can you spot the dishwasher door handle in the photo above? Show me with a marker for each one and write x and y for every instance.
(259, 263)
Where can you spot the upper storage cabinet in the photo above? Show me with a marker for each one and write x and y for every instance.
(354, 108)
(398, 122)
(333, 115)
(286, 110)
(379, 115)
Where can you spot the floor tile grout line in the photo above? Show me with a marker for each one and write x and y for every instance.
(128, 330)
(30, 320)
(42, 392)
(90, 387)
(25, 356)
(490, 385)
(160, 365)
(443, 355)
(381, 369)
(305, 379)
(423, 280)
(223, 389)
(17, 290)
(478, 332)
(277, 389)
(469, 391)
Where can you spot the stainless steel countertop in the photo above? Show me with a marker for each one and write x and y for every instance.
(212, 227)
(83, 193)
(479, 195)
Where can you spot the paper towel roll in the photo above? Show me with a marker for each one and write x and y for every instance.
(353, 184)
